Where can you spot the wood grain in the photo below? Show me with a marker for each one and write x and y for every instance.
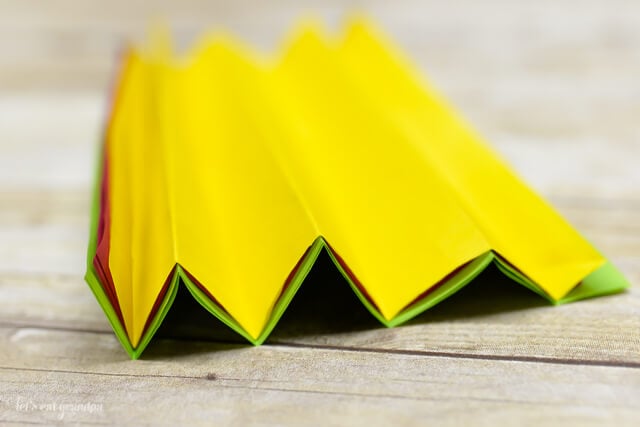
(286, 385)
(553, 85)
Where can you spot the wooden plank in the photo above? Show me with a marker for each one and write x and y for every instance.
(502, 321)
(491, 317)
(41, 282)
(44, 222)
(198, 383)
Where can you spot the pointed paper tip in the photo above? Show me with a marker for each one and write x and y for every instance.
(135, 335)
(159, 45)
(219, 44)
(359, 28)
(388, 313)
(358, 22)
(309, 29)
(251, 329)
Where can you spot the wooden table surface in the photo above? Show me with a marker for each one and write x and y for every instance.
(553, 85)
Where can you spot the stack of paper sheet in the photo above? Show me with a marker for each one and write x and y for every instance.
(229, 174)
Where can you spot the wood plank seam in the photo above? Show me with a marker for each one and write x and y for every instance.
(404, 352)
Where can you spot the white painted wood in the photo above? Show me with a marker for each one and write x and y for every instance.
(553, 86)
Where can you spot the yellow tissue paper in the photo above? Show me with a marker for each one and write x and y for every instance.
(229, 174)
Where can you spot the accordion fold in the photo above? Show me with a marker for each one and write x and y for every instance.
(228, 173)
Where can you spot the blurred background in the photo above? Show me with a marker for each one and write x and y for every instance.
(553, 85)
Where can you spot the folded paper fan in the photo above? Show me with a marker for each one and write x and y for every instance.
(229, 175)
